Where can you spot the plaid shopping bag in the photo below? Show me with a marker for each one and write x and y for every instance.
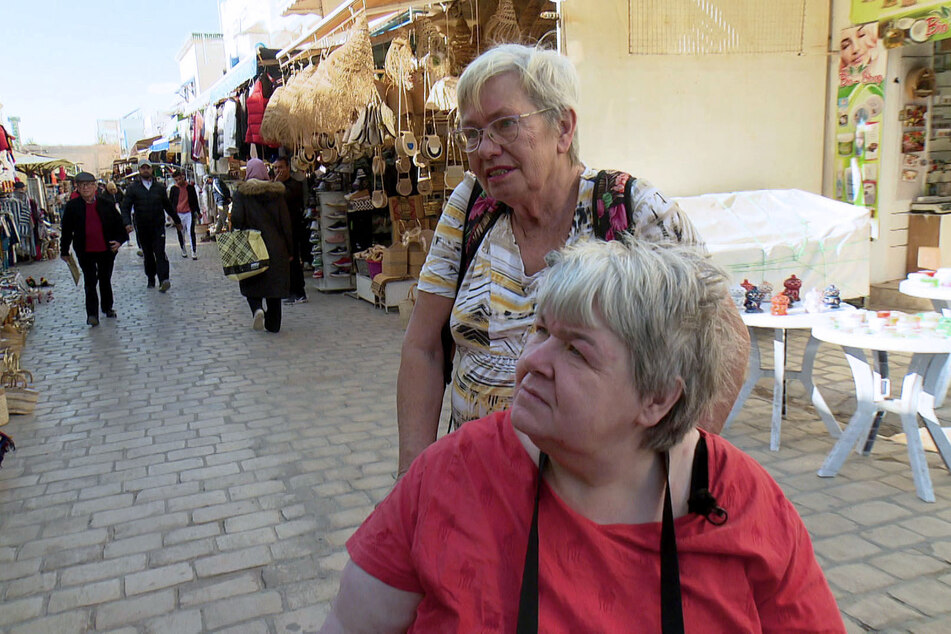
(243, 253)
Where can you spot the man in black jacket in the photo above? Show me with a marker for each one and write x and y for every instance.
(150, 202)
(94, 228)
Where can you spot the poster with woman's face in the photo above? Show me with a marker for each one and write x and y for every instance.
(861, 55)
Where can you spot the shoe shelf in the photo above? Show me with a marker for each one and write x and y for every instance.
(336, 264)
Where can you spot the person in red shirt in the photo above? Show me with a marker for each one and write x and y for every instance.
(595, 504)
(93, 227)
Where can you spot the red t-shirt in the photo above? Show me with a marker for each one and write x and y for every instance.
(95, 241)
(455, 529)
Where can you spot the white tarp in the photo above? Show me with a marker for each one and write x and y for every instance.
(771, 234)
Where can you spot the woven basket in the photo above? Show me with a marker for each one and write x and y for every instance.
(4, 411)
(20, 399)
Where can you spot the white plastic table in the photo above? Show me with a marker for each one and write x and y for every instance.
(797, 318)
(929, 354)
(941, 300)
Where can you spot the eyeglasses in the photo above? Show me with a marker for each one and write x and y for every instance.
(502, 131)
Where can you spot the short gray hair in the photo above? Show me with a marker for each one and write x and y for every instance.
(666, 303)
(548, 78)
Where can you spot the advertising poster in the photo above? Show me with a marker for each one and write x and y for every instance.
(860, 102)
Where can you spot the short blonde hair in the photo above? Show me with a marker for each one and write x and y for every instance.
(666, 303)
(548, 78)
(111, 187)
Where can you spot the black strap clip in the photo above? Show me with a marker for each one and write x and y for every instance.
(703, 503)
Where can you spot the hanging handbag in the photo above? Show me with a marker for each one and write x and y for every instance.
(243, 253)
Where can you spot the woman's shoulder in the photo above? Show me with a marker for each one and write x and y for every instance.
(739, 481)
(476, 449)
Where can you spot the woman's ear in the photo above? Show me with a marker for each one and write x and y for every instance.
(567, 125)
(654, 408)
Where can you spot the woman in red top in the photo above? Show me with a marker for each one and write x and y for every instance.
(595, 504)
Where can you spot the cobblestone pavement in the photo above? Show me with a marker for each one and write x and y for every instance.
(182, 473)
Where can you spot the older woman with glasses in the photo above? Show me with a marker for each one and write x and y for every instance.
(527, 194)
(595, 504)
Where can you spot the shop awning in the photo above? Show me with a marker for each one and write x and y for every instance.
(144, 144)
(34, 163)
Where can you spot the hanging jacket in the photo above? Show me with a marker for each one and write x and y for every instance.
(256, 106)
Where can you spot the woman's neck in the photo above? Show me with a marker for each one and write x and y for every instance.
(550, 206)
(624, 485)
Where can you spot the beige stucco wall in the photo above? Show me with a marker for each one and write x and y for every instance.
(694, 124)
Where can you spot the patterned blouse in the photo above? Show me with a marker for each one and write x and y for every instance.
(496, 303)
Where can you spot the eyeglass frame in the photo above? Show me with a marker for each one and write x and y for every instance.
(485, 131)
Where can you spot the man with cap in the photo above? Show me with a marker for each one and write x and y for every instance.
(93, 227)
(150, 202)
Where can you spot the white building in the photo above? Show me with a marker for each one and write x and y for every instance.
(201, 62)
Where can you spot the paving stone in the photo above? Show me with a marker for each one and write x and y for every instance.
(234, 610)
(186, 551)
(85, 595)
(181, 622)
(220, 511)
(68, 623)
(857, 578)
(21, 610)
(908, 565)
(136, 609)
(232, 561)
(251, 521)
(306, 619)
(190, 533)
(928, 597)
(246, 539)
(158, 578)
(102, 570)
(244, 583)
(140, 544)
(35, 584)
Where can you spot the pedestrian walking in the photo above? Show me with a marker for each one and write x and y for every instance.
(294, 197)
(259, 204)
(93, 227)
(187, 208)
(222, 196)
(150, 203)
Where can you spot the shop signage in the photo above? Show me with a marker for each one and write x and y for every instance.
(881, 10)
(928, 26)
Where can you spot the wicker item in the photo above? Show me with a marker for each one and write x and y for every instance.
(4, 410)
(19, 397)
(400, 64)
(341, 85)
(461, 49)
(502, 27)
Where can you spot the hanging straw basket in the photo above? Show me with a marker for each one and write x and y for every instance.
(502, 27)
(342, 84)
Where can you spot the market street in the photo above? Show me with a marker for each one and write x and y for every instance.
(182, 473)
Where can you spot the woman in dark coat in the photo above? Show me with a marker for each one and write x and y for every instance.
(259, 204)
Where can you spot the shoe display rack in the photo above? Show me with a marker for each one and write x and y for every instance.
(336, 266)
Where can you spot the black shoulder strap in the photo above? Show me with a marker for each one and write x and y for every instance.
(528, 597)
(671, 600)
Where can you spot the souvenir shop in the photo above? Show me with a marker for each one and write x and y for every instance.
(362, 106)
(21, 236)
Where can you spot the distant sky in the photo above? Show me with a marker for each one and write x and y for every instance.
(66, 63)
